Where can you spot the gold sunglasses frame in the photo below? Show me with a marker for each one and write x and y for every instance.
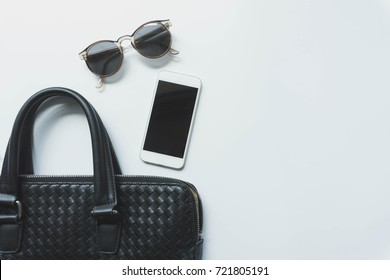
(119, 43)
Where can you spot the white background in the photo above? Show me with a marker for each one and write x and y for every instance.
(291, 145)
(276, 269)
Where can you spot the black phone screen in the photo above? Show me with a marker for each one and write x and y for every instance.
(170, 119)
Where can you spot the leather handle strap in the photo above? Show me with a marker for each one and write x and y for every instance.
(104, 160)
(25, 157)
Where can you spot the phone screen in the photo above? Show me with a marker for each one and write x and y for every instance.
(170, 119)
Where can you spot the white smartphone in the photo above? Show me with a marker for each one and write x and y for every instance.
(171, 119)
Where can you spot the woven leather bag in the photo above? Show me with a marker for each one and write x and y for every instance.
(104, 216)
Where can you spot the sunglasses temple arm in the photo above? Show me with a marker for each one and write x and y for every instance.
(83, 55)
(173, 51)
(100, 83)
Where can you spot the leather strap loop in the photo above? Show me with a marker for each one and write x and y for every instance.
(18, 157)
(25, 157)
(102, 159)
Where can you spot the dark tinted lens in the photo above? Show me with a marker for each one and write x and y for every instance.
(152, 40)
(104, 58)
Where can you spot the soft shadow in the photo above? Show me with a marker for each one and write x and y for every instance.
(118, 75)
(159, 62)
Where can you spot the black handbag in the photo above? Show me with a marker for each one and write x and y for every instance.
(104, 216)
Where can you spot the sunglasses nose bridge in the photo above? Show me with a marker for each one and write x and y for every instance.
(125, 42)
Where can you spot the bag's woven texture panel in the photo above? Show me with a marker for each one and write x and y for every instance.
(158, 221)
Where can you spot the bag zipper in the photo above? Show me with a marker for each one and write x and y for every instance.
(192, 188)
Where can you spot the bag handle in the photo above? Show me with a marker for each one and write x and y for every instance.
(25, 157)
(108, 224)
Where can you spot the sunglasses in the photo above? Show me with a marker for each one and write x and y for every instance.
(151, 40)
